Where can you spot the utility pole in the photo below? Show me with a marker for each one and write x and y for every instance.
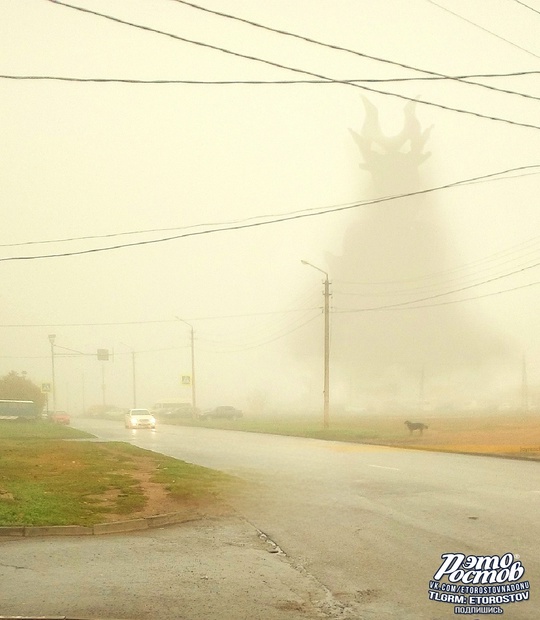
(326, 414)
(133, 373)
(103, 399)
(326, 385)
(193, 391)
(422, 384)
(524, 386)
(82, 394)
(103, 356)
(52, 338)
(193, 397)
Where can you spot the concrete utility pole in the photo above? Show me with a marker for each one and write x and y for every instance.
(103, 398)
(326, 388)
(52, 338)
(524, 386)
(134, 381)
(103, 356)
(422, 386)
(193, 392)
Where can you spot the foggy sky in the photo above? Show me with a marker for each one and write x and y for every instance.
(90, 159)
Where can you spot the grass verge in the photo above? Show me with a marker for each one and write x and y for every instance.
(513, 435)
(45, 479)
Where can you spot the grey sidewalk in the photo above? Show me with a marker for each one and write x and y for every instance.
(220, 568)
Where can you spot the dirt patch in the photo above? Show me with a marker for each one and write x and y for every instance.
(158, 500)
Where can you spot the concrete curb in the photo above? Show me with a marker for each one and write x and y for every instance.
(115, 527)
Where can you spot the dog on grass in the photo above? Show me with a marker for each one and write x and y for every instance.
(415, 426)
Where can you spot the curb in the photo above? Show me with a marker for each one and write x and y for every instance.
(115, 527)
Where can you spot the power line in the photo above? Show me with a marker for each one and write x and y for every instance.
(487, 179)
(273, 338)
(497, 257)
(457, 290)
(482, 28)
(475, 279)
(39, 357)
(168, 229)
(294, 69)
(420, 78)
(340, 48)
(275, 220)
(527, 6)
(157, 321)
(443, 303)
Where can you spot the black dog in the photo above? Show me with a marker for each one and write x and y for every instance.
(415, 426)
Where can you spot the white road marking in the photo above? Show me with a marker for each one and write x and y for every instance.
(384, 467)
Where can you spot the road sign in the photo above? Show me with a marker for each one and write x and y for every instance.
(186, 379)
(45, 388)
(103, 354)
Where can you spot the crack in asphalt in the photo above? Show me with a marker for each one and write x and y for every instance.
(14, 566)
(329, 605)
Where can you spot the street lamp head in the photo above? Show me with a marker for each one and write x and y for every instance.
(182, 320)
(305, 262)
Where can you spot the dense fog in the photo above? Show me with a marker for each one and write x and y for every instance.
(134, 211)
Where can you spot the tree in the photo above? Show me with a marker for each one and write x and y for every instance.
(15, 386)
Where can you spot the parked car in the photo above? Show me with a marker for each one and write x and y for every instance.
(225, 411)
(182, 410)
(60, 417)
(139, 418)
(171, 407)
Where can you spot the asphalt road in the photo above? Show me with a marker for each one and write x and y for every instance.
(370, 523)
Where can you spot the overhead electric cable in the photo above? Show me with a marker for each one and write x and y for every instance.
(171, 228)
(443, 303)
(443, 8)
(342, 49)
(37, 357)
(153, 322)
(498, 176)
(419, 78)
(457, 290)
(527, 6)
(477, 278)
(294, 69)
(275, 219)
(495, 177)
(487, 263)
(252, 331)
(273, 339)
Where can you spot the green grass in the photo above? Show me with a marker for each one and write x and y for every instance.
(342, 428)
(46, 480)
(41, 429)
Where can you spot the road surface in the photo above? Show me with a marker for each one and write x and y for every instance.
(370, 523)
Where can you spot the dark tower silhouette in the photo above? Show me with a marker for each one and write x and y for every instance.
(390, 255)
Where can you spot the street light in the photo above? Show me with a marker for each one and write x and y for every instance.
(326, 388)
(52, 338)
(193, 398)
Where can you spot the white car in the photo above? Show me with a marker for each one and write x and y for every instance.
(140, 418)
